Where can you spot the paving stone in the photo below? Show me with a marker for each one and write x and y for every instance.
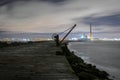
(36, 61)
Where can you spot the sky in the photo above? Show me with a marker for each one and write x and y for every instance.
(52, 16)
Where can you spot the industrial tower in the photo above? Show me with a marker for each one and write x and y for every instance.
(91, 37)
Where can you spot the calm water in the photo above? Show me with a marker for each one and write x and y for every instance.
(105, 55)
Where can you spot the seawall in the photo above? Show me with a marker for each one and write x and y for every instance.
(83, 70)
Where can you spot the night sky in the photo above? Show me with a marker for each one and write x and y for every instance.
(50, 16)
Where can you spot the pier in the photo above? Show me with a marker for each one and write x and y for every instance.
(34, 61)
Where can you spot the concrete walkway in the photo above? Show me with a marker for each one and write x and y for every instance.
(34, 61)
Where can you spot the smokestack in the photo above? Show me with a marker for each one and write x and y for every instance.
(91, 37)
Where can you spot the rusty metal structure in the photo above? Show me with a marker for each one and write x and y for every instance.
(56, 36)
(68, 33)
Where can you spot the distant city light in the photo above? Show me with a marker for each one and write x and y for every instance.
(74, 39)
(82, 36)
(26, 40)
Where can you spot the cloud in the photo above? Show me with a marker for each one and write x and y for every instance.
(57, 15)
(6, 2)
(111, 20)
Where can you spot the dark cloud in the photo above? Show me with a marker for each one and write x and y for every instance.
(112, 20)
(54, 1)
(2, 32)
(5, 2)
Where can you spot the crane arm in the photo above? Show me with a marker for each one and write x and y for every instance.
(67, 33)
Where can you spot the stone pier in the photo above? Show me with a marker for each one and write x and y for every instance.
(34, 61)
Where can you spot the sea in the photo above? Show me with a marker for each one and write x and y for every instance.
(104, 54)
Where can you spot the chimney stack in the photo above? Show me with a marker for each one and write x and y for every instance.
(91, 37)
